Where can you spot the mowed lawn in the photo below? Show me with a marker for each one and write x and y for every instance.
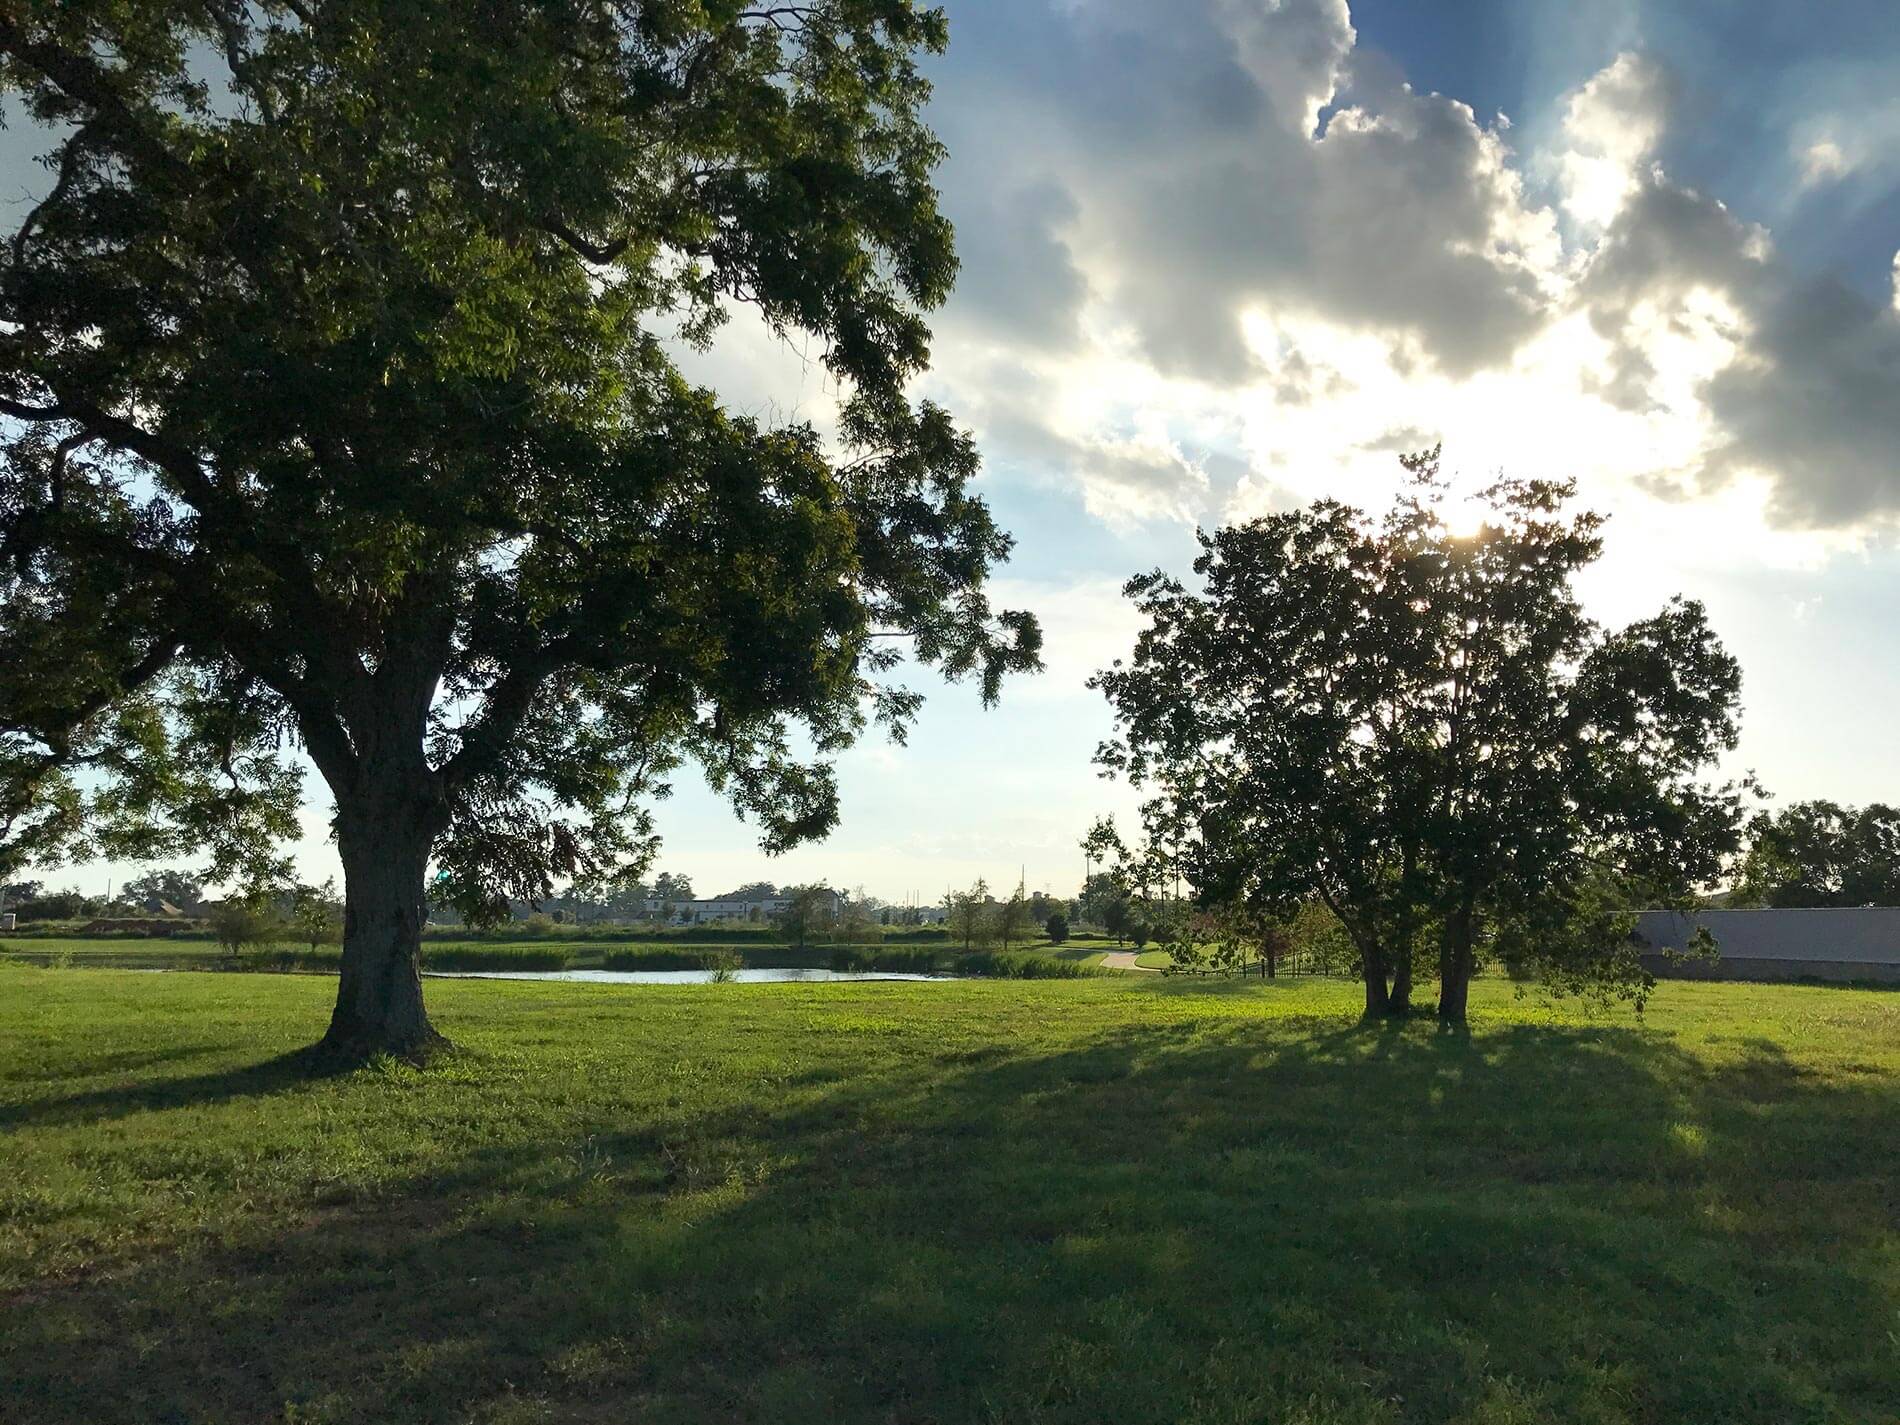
(1101, 1200)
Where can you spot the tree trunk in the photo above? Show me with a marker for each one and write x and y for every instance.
(384, 843)
(1454, 967)
(1404, 933)
(1378, 996)
(1400, 1000)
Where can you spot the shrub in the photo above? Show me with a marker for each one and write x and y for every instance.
(1021, 965)
(896, 959)
(241, 923)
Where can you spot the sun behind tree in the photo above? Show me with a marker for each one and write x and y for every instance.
(1426, 733)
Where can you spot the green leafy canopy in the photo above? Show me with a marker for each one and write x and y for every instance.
(343, 415)
(1425, 730)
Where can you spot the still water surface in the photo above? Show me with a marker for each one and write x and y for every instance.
(678, 977)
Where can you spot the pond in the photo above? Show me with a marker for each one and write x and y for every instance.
(681, 977)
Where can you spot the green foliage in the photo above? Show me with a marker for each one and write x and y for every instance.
(1099, 892)
(342, 416)
(1012, 919)
(675, 953)
(658, 957)
(1020, 965)
(752, 891)
(1420, 729)
(809, 912)
(1321, 942)
(1056, 928)
(909, 960)
(1822, 854)
(979, 964)
(1227, 940)
(671, 888)
(971, 915)
(241, 923)
(181, 888)
(1103, 843)
(316, 915)
(495, 957)
(56, 905)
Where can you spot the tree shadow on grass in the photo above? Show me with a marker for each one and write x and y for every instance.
(120, 1061)
(1217, 1220)
(278, 1074)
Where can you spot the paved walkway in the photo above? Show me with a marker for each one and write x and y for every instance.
(1125, 960)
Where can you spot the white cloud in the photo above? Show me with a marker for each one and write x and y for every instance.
(1270, 282)
(1823, 162)
(1086, 623)
(1222, 260)
(1848, 138)
(1612, 124)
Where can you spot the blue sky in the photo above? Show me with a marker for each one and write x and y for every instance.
(1223, 256)
(1699, 205)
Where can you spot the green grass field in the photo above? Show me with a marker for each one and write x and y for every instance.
(1131, 1200)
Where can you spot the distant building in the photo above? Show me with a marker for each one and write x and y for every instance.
(701, 912)
(1798, 944)
(698, 912)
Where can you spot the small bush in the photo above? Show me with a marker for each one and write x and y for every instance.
(1020, 965)
(894, 959)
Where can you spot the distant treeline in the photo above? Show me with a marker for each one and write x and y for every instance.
(938, 959)
(514, 932)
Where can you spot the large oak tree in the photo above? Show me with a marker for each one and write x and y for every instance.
(1424, 730)
(337, 362)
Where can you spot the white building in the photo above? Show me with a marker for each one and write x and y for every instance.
(698, 912)
(701, 912)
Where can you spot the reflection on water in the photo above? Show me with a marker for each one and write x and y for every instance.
(679, 977)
